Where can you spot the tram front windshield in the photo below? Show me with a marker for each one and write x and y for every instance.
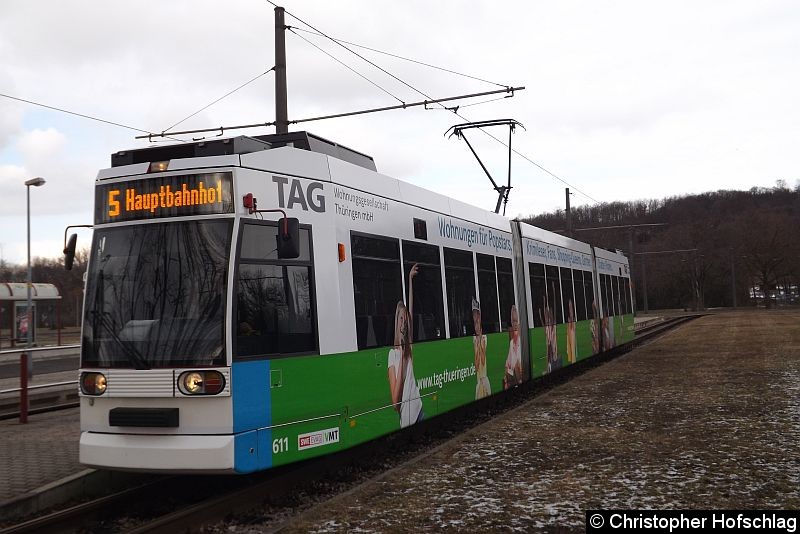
(155, 295)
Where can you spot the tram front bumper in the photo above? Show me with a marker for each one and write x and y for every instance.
(158, 453)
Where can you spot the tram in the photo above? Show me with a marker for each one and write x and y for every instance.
(256, 301)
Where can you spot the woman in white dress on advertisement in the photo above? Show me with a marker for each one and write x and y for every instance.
(482, 388)
(513, 374)
(402, 384)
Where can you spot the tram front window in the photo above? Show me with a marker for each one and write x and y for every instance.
(155, 295)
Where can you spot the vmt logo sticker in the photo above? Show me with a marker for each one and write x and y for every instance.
(306, 199)
(318, 439)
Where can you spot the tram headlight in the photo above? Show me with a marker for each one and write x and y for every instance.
(93, 383)
(192, 383)
(201, 382)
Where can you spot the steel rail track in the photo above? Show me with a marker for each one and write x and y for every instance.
(646, 333)
(42, 398)
(41, 409)
(216, 509)
(72, 518)
(250, 491)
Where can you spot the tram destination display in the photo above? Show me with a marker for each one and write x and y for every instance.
(164, 196)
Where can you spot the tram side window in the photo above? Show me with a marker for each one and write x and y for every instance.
(275, 309)
(580, 297)
(609, 296)
(623, 309)
(604, 295)
(615, 295)
(378, 288)
(569, 296)
(487, 293)
(505, 286)
(538, 293)
(592, 307)
(628, 303)
(260, 243)
(613, 301)
(460, 281)
(554, 293)
(428, 305)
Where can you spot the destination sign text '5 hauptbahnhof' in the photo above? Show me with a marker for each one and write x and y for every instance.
(166, 196)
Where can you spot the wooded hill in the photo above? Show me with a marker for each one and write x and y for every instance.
(728, 244)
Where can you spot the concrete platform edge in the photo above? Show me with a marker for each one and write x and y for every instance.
(54, 353)
(87, 483)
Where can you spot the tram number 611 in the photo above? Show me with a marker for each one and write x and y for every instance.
(280, 445)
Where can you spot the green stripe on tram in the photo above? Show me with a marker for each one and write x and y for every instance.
(350, 391)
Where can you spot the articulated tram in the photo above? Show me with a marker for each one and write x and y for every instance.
(256, 301)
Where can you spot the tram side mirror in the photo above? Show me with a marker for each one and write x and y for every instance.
(288, 238)
(69, 252)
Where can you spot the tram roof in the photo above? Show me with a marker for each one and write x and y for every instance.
(393, 188)
(243, 145)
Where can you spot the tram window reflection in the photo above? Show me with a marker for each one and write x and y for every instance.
(275, 308)
(377, 287)
(505, 286)
(460, 281)
(554, 293)
(487, 289)
(541, 311)
(428, 304)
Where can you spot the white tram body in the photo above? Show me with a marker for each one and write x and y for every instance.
(203, 351)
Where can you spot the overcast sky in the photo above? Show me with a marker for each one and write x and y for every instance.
(624, 100)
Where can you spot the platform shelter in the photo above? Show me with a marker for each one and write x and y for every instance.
(46, 304)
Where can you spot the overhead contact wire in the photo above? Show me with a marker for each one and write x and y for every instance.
(112, 123)
(407, 59)
(346, 65)
(454, 110)
(356, 54)
(480, 103)
(526, 158)
(245, 84)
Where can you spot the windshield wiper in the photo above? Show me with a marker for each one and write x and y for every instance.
(130, 352)
(101, 318)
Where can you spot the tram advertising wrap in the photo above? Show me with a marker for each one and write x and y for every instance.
(164, 196)
(204, 350)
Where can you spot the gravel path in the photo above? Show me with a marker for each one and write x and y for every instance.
(707, 416)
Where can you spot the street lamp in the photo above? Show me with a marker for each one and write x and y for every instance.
(36, 182)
